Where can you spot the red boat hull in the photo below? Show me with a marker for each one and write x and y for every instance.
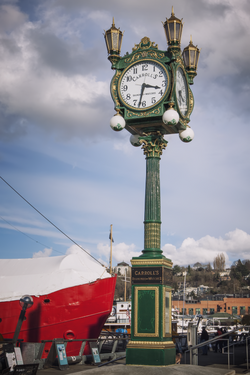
(77, 312)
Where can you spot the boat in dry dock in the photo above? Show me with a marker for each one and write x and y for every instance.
(72, 295)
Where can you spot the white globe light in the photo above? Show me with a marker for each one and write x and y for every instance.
(186, 135)
(134, 140)
(117, 123)
(170, 117)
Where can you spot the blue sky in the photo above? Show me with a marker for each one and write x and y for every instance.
(59, 152)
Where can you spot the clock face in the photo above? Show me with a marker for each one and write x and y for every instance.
(181, 91)
(143, 85)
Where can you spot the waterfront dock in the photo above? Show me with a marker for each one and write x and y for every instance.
(212, 363)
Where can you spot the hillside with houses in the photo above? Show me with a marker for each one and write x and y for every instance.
(197, 281)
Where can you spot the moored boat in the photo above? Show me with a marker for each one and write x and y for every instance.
(72, 295)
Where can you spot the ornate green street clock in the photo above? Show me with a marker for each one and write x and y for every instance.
(152, 87)
(152, 97)
(143, 85)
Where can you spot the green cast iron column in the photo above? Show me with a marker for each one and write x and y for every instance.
(151, 334)
(153, 145)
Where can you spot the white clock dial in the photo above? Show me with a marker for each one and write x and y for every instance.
(143, 85)
(181, 91)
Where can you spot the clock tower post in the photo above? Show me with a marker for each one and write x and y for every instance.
(152, 97)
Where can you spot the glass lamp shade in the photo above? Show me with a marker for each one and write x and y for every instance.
(170, 117)
(113, 38)
(26, 302)
(134, 140)
(173, 29)
(191, 56)
(117, 123)
(186, 135)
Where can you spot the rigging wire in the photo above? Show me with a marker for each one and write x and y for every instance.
(28, 236)
(50, 221)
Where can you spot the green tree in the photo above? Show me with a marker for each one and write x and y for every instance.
(120, 286)
(238, 270)
(176, 269)
(209, 268)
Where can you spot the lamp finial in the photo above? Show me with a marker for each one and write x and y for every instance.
(172, 11)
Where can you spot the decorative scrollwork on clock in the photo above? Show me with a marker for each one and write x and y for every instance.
(155, 111)
(145, 43)
(143, 54)
(114, 91)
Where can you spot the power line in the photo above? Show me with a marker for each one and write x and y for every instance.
(27, 235)
(50, 221)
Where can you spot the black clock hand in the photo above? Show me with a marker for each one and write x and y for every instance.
(180, 96)
(142, 90)
(155, 87)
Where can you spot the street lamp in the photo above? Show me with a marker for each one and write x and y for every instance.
(113, 39)
(152, 98)
(173, 29)
(191, 56)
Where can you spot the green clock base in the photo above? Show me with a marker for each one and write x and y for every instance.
(150, 356)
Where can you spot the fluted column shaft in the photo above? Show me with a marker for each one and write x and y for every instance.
(153, 146)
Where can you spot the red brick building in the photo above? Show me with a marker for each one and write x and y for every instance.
(236, 306)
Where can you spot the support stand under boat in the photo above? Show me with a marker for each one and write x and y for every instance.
(26, 302)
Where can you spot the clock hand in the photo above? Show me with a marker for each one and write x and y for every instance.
(180, 96)
(142, 90)
(155, 87)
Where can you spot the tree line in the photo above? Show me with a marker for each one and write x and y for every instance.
(210, 276)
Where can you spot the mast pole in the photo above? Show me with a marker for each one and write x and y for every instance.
(111, 240)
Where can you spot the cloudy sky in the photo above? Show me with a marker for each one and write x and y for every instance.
(58, 151)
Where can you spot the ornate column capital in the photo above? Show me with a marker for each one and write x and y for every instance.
(153, 145)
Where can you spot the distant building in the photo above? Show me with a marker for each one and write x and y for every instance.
(225, 278)
(122, 268)
(246, 287)
(190, 289)
(231, 305)
(224, 273)
(202, 289)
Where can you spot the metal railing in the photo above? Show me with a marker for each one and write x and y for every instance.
(194, 349)
(110, 346)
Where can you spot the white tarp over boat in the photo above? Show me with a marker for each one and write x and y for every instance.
(40, 276)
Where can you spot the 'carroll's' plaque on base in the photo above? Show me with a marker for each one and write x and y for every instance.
(151, 275)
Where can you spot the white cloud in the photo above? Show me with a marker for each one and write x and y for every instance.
(74, 249)
(235, 245)
(120, 252)
(42, 254)
(49, 82)
(11, 17)
(124, 146)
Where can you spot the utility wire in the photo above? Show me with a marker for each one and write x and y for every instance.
(50, 221)
(27, 235)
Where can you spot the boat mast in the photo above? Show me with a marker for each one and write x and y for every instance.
(125, 287)
(111, 240)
